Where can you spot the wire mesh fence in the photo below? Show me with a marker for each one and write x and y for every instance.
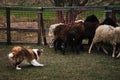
(51, 17)
(3, 35)
(23, 25)
(25, 22)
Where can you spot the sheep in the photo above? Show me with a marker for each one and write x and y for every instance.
(106, 34)
(85, 30)
(91, 18)
(58, 37)
(51, 33)
(73, 35)
(109, 21)
(68, 35)
(91, 23)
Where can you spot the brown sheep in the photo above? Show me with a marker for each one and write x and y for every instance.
(68, 35)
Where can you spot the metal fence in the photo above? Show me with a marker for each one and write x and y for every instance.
(30, 25)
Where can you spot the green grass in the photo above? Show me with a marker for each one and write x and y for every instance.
(71, 66)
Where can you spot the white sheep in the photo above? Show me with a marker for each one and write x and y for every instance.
(51, 33)
(106, 34)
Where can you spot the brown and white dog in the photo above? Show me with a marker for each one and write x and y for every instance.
(19, 54)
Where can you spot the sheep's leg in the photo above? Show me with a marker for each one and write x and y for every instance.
(89, 51)
(104, 50)
(80, 43)
(118, 55)
(117, 51)
(63, 47)
(114, 48)
(77, 49)
(51, 43)
(55, 45)
(98, 47)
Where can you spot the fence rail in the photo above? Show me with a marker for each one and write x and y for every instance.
(40, 30)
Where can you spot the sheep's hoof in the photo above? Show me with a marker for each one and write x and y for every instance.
(113, 56)
(89, 52)
(117, 57)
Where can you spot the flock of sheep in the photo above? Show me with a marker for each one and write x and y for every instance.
(97, 33)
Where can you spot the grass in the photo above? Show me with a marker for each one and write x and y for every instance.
(71, 66)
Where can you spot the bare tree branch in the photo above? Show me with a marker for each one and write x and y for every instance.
(69, 2)
(83, 2)
(52, 1)
(59, 2)
(111, 2)
(76, 2)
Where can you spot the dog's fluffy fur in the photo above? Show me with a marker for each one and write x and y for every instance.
(19, 54)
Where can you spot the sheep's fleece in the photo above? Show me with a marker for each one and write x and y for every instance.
(106, 33)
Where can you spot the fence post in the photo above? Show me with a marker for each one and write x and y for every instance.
(110, 13)
(41, 29)
(8, 25)
(114, 15)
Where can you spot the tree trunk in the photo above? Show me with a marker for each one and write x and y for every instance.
(60, 17)
(71, 14)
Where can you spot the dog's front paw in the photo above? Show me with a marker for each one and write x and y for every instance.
(18, 68)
